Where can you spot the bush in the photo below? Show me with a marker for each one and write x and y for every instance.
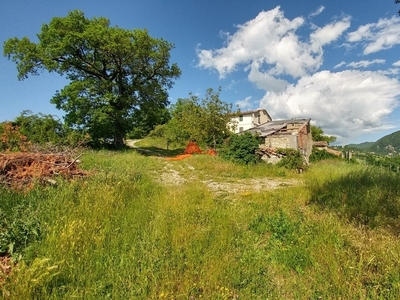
(242, 149)
(292, 159)
(40, 129)
(18, 228)
(318, 155)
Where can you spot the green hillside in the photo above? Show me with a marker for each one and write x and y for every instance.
(387, 144)
(361, 147)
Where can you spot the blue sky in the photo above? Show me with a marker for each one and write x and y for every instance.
(336, 62)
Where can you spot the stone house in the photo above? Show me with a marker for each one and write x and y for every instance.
(293, 133)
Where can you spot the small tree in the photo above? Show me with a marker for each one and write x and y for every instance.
(216, 116)
(319, 135)
(186, 122)
(202, 120)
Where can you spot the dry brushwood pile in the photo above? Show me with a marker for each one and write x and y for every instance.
(6, 266)
(20, 170)
(270, 152)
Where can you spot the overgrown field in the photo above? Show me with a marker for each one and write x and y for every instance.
(141, 227)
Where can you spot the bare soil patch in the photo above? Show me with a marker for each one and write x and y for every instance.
(177, 175)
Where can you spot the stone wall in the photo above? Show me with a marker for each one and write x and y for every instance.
(281, 141)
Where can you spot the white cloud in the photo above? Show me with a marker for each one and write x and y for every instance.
(377, 36)
(286, 66)
(365, 63)
(245, 103)
(389, 72)
(269, 47)
(317, 12)
(329, 33)
(267, 39)
(264, 80)
(396, 64)
(343, 103)
(341, 64)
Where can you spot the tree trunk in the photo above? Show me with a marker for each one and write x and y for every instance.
(119, 140)
(215, 142)
(119, 133)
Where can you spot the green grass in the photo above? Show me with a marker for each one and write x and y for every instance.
(120, 234)
(158, 147)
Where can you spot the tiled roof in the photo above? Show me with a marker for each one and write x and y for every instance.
(271, 127)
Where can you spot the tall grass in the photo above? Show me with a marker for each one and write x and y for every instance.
(121, 235)
(367, 196)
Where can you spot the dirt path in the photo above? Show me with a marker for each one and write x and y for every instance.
(177, 175)
(132, 143)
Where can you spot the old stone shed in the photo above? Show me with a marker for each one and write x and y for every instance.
(294, 134)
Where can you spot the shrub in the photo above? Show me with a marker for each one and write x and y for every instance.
(40, 129)
(18, 228)
(241, 149)
(292, 159)
(318, 155)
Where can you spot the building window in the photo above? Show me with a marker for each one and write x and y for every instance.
(259, 118)
(241, 118)
(240, 129)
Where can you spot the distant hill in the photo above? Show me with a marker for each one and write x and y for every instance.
(389, 144)
(361, 147)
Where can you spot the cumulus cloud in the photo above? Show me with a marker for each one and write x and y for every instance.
(263, 79)
(245, 103)
(269, 42)
(267, 39)
(377, 36)
(286, 65)
(343, 103)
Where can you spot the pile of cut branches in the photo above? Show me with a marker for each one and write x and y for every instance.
(22, 169)
(270, 152)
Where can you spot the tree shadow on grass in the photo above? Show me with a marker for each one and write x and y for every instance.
(161, 152)
(369, 198)
(145, 151)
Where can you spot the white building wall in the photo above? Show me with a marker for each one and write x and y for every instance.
(243, 125)
(249, 120)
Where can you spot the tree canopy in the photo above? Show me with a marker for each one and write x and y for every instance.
(202, 120)
(114, 73)
(319, 135)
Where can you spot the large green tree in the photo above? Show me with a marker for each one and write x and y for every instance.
(113, 72)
